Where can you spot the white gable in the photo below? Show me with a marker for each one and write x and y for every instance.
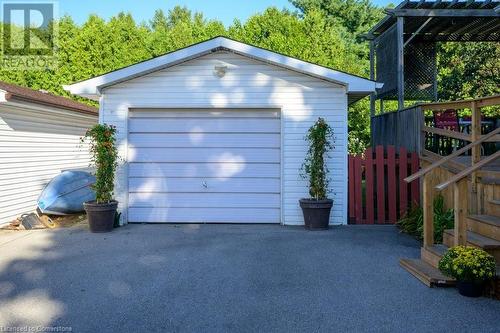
(357, 87)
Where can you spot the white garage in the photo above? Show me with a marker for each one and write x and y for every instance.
(214, 133)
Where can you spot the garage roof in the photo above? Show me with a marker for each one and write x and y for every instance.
(358, 87)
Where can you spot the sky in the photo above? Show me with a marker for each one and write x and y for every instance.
(143, 10)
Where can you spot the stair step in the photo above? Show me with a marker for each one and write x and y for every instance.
(473, 239)
(491, 180)
(485, 225)
(495, 202)
(432, 254)
(427, 274)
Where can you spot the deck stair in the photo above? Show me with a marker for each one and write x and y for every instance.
(483, 231)
(471, 184)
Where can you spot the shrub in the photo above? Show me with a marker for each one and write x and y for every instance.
(466, 263)
(314, 167)
(413, 222)
(104, 156)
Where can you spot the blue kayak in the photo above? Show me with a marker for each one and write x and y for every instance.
(66, 193)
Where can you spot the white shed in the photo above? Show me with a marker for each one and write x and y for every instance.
(39, 138)
(214, 133)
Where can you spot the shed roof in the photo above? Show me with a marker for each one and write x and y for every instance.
(438, 20)
(357, 87)
(12, 91)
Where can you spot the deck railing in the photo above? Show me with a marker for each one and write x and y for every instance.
(407, 127)
(461, 190)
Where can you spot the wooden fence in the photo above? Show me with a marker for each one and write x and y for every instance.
(378, 193)
(401, 128)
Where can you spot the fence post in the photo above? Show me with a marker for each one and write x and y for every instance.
(358, 194)
(352, 188)
(403, 186)
(391, 183)
(379, 163)
(370, 205)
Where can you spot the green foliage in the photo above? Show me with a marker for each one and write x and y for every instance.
(319, 138)
(443, 218)
(468, 70)
(326, 32)
(104, 155)
(466, 263)
(413, 222)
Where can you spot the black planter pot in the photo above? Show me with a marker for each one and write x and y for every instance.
(316, 213)
(470, 289)
(101, 216)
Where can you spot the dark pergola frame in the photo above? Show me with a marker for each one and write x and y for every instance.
(432, 22)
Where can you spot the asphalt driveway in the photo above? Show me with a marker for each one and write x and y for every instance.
(203, 278)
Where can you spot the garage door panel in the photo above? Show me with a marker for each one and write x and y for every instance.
(204, 140)
(204, 113)
(204, 200)
(211, 155)
(196, 185)
(211, 170)
(221, 125)
(204, 215)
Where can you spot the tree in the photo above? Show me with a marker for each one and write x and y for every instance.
(468, 70)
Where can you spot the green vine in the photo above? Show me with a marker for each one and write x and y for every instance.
(104, 156)
(314, 167)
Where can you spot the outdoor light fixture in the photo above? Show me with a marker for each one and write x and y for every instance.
(220, 70)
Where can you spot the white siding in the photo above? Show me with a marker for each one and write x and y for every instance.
(247, 84)
(35, 145)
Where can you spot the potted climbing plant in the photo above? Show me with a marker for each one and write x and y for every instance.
(316, 209)
(104, 155)
(470, 266)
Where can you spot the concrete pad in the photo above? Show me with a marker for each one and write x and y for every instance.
(202, 278)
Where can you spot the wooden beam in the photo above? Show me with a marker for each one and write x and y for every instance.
(468, 171)
(485, 3)
(400, 62)
(460, 203)
(436, 3)
(475, 151)
(428, 206)
(443, 12)
(465, 104)
(417, 31)
(448, 133)
(372, 77)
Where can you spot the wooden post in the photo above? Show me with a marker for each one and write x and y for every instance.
(460, 201)
(428, 210)
(372, 77)
(476, 152)
(400, 62)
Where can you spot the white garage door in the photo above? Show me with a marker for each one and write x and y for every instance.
(204, 166)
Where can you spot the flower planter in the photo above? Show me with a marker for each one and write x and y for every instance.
(316, 213)
(101, 216)
(470, 289)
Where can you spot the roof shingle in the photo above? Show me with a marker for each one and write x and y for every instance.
(47, 98)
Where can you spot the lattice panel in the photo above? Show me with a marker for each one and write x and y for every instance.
(386, 63)
(420, 71)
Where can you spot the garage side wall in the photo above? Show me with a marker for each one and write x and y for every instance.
(36, 144)
(247, 83)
